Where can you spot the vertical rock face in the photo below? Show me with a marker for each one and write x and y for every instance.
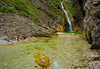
(80, 13)
(88, 13)
(92, 22)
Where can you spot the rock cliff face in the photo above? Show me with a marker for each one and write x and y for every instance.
(16, 27)
(92, 22)
(80, 14)
(88, 18)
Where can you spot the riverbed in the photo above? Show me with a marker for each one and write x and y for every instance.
(65, 51)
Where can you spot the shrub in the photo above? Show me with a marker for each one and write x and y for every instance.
(67, 3)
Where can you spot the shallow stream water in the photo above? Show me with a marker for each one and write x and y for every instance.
(66, 51)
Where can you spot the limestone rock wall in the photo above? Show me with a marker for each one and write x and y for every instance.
(92, 22)
(88, 18)
(80, 14)
(16, 27)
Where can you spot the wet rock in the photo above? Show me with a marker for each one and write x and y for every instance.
(42, 60)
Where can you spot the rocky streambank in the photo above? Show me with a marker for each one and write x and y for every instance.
(45, 23)
(92, 22)
(88, 18)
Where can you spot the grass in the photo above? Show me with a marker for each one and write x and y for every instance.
(23, 14)
(23, 7)
(6, 9)
(76, 32)
(26, 9)
(54, 7)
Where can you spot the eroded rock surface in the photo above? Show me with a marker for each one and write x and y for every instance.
(92, 22)
(16, 27)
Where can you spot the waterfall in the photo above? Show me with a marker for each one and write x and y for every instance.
(62, 6)
(70, 25)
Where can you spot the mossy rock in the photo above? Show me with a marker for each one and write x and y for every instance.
(42, 60)
(53, 47)
(39, 48)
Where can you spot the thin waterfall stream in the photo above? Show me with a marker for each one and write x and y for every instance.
(69, 22)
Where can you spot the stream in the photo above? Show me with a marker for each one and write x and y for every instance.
(65, 51)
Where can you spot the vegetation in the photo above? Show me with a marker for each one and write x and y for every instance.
(67, 3)
(6, 9)
(22, 6)
(23, 14)
(76, 32)
(54, 7)
(26, 9)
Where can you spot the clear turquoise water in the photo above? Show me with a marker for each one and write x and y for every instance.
(71, 51)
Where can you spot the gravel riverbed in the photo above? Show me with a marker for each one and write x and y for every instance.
(66, 51)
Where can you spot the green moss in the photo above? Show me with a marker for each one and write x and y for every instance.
(76, 32)
(23, 7)
(23, 14)
(43, 13)
(5, 9)
(41, 0)
(54, 7)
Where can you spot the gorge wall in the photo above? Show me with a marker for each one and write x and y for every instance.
(80, 14)
(92, 22)
(42, 18)
(88, 18)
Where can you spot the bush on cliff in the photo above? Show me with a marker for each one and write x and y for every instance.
(67, 3)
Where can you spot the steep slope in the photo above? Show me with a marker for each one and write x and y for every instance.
(23, 19)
